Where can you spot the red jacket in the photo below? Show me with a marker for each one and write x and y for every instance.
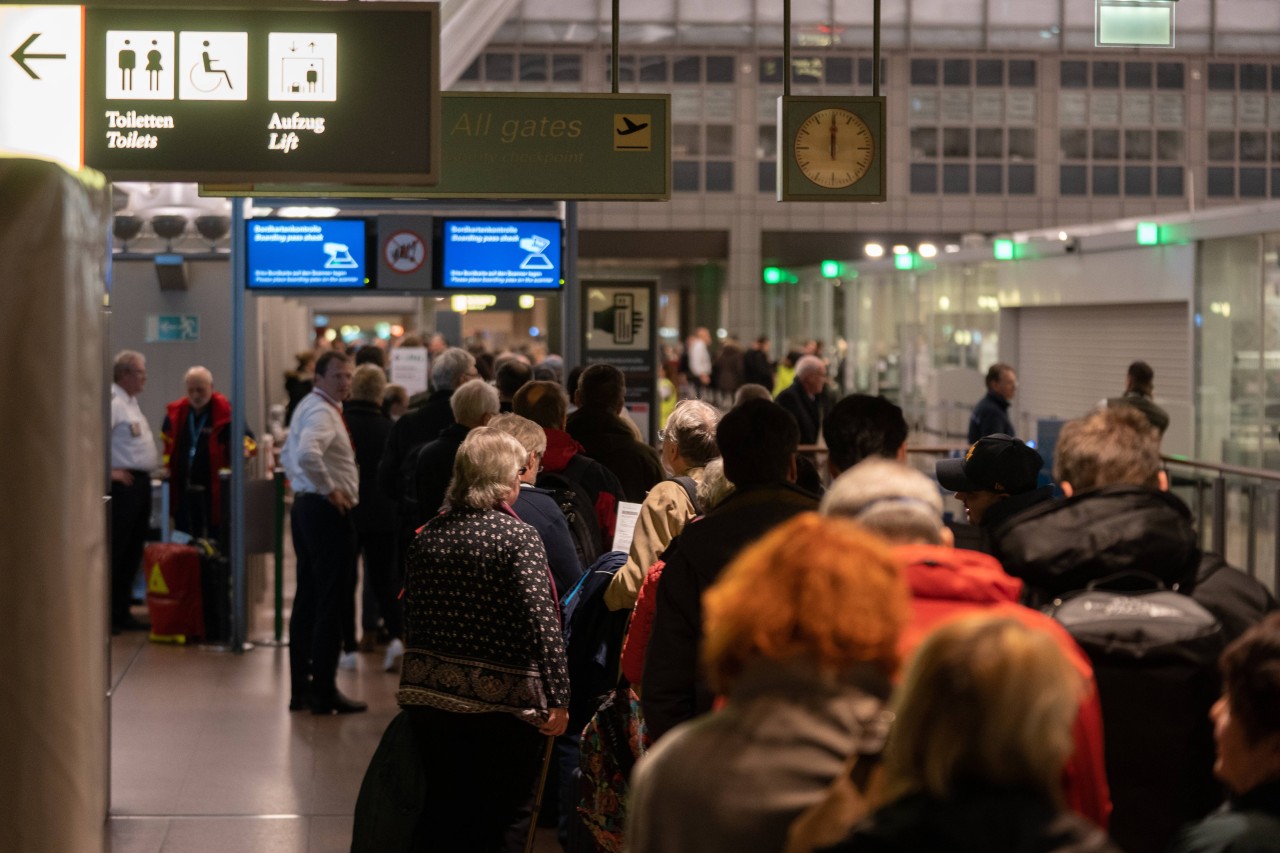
(176, 436)
(637, 641)
(950, 582)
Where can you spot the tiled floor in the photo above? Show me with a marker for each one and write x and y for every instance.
(206, 757)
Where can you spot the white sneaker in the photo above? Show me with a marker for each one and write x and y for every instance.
(395, 651)
(347, 660)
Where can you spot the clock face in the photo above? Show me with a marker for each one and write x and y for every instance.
(834, 148)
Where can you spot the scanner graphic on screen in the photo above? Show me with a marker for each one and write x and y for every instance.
(339, 257)
(535, 245)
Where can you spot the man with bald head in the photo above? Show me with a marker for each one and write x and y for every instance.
(807, 398)
(197, 435)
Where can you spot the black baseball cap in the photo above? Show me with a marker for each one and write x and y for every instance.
(997, 463)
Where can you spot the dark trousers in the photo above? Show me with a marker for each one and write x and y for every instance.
(324, 541)
(130, 521)
(480, 769)
(381, 582)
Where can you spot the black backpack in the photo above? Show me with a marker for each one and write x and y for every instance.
(579, 512)
(410, 506)
(1154, 654)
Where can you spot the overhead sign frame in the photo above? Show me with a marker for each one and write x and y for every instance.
(1134, 23)
(289, 91)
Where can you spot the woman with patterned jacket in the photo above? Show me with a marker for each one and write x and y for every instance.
(484, 677)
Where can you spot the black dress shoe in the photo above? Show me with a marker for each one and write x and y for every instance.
(300, 703)
(337, 704)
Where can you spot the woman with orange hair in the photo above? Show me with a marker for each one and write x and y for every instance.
(801, 637)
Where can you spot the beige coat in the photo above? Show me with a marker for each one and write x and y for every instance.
(664, 513)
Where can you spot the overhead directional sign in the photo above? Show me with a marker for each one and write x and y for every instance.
(279, 92)
(40, 106)
(531, 145)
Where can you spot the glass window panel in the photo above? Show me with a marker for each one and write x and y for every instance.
(1022, 72)
(924, 142)
(864, 72)
(1222, 145)
(989, 142)
(533, 67)
(955, 142)
(499, 66)
(473, 70)
(988, 179)
(1073, 180)
(1275, 183)
(1171, 75)
(684, 176)
(806, 69)
(1073, 74)
(990, 72)
(719, 140)
(566, 68)
(1222, 182)
(686, 69)
(653, 69)
(1137, 180)
(1138, 144)
(1275, 145)
(1253, 183)
(1022, 179)
(1222, 77)
(767, 142)
(1169, 182)
(1275, 78)
(956, 72)
(1253, 146)
(924, 178)
(1168, 145)
(1073, 144)
(1138, 75)
(720, 69)
(955, 179)
(1022, 143)
(719, 176)
(1106, 145)
(1106, 75)
(1253, 78)
(1106, 180)
(924, 72)
(839, 71)
(686, 140)
(770, 69)
(767, 176)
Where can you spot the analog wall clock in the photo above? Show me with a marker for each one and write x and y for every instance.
(831, 149)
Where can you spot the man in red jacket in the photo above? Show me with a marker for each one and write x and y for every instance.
(905, 507)
(196, 435)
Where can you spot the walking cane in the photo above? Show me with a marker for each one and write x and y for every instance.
(537, 797)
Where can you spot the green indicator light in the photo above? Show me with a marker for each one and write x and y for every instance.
(904, 261)
(1148, 234)
(830, 269)
(772, 275)
(1003, 250)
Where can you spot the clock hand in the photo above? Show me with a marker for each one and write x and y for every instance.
(833, 136)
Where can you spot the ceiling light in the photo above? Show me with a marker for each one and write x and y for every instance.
(873, 250)
(927, 250)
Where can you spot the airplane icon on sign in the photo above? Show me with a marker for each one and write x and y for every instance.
(632, 127)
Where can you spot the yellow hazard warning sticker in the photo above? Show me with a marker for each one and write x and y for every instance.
(155, 581)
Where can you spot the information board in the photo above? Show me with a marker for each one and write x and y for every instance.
(618, 328)
(307, 254)
(489, 254)
(301, 92)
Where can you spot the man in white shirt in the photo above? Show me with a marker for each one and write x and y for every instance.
(133, 458)
(320, 461)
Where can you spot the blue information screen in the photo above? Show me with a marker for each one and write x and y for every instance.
(485, 254)
(307, 253)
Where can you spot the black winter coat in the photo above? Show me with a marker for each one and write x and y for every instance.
(606, 439)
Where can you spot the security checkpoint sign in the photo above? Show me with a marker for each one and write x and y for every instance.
(526, 145)
(40, 59)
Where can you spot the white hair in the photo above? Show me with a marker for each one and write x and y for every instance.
(523, 430)
(447, 368)
(485, 469)
(809, 364)
(691, 426)
(472, 401)
(889, 498)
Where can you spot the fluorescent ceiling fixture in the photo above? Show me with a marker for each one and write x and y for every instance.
(1062, 235)
(873, 250)
(307, 212)
(1133, 23)
(258, 212)
(900, 249)
(951, 248)
(927, 250)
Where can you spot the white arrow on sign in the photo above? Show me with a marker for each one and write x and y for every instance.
(41, 58)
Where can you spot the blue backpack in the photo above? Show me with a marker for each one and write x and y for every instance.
(593, 636)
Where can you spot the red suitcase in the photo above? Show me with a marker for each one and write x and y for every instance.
(173, 592)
